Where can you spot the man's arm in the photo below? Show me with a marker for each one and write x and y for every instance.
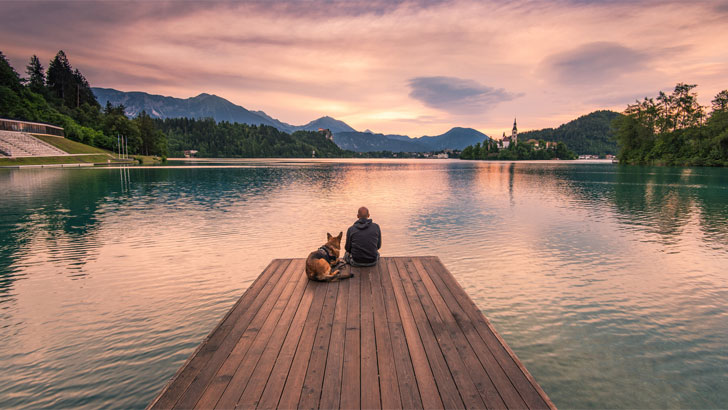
(347, 247)
(379, 241)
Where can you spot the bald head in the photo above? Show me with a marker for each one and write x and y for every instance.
(363, 212)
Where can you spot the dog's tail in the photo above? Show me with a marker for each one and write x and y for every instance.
(338, 275)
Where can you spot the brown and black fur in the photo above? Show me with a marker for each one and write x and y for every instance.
(319, 269)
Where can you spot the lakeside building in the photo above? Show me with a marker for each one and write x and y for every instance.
(30, 127)
(512, 139)
(327, 133)
(537, 145)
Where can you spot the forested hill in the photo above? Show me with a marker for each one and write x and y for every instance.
(233, 140)
(588, 134)
(62, 96)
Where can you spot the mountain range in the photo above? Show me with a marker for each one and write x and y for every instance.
(457, 138)
(204, 106)
(211, 106)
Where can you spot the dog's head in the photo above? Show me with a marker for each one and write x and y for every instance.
(334, 242)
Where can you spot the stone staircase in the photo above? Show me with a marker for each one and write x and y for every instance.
(21, 144)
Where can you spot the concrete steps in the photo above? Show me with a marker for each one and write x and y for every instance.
(21, 144)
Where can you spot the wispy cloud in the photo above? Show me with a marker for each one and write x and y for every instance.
(595, 62)
(457, 95)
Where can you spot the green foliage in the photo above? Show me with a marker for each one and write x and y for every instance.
(68, 85)
(674, 130)
(588, 134)
(8, 76)
(153, 141)
(64, 98)
(233, 140)
(36, 75)
(720, 102)
(520, 151)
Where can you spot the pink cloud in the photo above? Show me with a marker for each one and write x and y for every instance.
(354, 60)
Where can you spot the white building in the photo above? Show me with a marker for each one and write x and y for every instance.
(513, 138)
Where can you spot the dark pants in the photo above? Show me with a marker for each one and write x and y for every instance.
(350, 261)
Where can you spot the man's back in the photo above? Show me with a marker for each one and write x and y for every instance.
(363, 239)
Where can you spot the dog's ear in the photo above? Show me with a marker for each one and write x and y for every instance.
(328, 236)
(340, 234)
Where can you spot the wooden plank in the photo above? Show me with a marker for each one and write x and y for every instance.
(369, 371)
(350, 387)
(331, 390)
(388, 387)
(290, 325)
(296, 375)
(299, 336)
(212, 347)
(225, 391)
(423, 373)
(385, 358)
(218, 376)
(439, 313)
(500, 380)
(312, 384)
(441, 354)
(527, 387)
(406, 382)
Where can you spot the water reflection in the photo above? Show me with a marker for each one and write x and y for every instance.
(607, 281)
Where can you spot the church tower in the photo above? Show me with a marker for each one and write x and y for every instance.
(514, 133)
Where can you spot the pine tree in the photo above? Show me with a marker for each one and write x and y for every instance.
(36, 75)
(60, 79)
(84, 95)
(8, 76)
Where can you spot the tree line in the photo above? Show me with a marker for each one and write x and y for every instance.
(234, 140)
(489, 150)
(674, 129)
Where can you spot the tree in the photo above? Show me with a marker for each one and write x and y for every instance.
(688, 112)
(152, 139)
(674, 130)
(60, 79)
(67, 84)
(84, 95)
(36, 75)
(8, 76)
(720, 102)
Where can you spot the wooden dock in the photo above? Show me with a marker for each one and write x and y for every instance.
(403, 334)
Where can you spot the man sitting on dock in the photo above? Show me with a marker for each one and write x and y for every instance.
(363, 240)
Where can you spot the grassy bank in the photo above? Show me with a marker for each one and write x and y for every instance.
(76, 159)
(71, 147)
(95, 155)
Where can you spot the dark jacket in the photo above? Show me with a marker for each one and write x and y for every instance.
(363, 239)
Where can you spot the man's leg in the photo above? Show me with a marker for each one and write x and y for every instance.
(352, 262)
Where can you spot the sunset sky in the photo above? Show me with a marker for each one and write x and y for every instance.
(415, 68)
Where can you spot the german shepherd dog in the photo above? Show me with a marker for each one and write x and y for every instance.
(323, 264)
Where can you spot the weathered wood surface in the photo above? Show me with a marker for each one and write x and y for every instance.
(402, 334)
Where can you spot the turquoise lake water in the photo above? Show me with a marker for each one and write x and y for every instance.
(609, 282)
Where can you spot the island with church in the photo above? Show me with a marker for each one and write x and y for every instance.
(508, 148)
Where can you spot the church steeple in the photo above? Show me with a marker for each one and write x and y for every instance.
(514, 133)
